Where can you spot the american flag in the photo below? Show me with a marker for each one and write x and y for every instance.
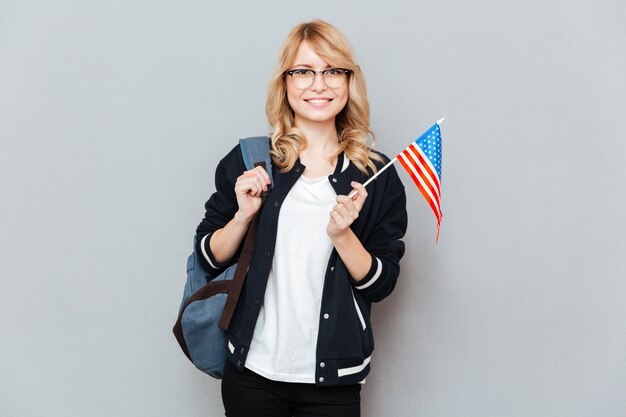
(422, 160)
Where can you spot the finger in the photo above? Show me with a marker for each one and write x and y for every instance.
(355, 190)
(349, 214)
(256, 173)
(339, 221)
(250, 173)
(259, 186)
(254, 188)
(245, 187)
(342, 221)
(352, 206)
(346, 201)
(246, 184)
(264, 173)
(361, 195)
(241, 185)
(262, 177)
(361, 191)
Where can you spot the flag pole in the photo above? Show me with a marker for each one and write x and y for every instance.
(354, 192)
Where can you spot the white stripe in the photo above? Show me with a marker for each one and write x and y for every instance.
(430, 165)
(231, 347)
(419, 178)
(346, 162)
(358, 311)
(206, 256)
(353, 369)
(436, 185)
(379, 270)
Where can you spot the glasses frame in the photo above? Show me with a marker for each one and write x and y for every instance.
(322, 73)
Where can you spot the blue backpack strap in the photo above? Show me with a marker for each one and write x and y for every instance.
(257, 149)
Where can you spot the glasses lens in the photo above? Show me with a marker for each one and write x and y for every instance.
(303, 78)
(334, 78)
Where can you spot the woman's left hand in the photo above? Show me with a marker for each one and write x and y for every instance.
(346, 211)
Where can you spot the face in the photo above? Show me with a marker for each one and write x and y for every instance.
(318, 103)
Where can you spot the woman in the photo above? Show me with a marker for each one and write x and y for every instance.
(300, 339)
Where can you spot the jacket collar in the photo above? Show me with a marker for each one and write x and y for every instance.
(340, 179)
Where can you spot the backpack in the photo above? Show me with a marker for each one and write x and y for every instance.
(209, 303)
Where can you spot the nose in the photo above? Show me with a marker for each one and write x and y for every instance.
(318, 83)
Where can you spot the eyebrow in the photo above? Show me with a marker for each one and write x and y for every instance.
(310, 66)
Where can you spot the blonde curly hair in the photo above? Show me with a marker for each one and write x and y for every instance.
(352, 123)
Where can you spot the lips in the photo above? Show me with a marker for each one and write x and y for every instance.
(318, 100)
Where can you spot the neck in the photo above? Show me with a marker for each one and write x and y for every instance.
(321, 137)
(321, 144)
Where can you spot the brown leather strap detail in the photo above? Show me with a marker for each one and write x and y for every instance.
(242, 267)
(240, 275)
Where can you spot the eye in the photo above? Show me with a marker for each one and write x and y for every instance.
(301, 72)
(333, 71)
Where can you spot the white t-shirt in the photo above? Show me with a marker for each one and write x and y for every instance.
(285, 337)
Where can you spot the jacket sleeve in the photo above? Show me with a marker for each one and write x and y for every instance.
(219, 209)
(384, 244)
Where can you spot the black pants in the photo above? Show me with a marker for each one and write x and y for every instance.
(247, 394)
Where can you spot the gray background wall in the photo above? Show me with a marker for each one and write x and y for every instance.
(113, 115)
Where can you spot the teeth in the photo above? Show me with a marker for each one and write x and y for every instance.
(318, 101)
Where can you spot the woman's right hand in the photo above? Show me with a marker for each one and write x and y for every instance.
(248, 189)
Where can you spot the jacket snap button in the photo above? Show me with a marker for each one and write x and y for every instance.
(298, 169)
(326, 316)
(334, 179)
(321, 379)
(238, 364)
(332, 268)
(242, 350)
(275, 204)
(267, 254)
(322, 364)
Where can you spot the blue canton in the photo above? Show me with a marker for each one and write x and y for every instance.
(430, 144)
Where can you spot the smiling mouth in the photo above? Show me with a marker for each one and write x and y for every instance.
(318, 100)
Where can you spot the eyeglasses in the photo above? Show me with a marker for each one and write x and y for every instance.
(304, 78)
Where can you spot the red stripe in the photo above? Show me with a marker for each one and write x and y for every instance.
(427, 169)
(423, 175)
(429, 200)
(420, 155)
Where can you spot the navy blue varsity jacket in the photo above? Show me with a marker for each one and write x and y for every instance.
(345, 342)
